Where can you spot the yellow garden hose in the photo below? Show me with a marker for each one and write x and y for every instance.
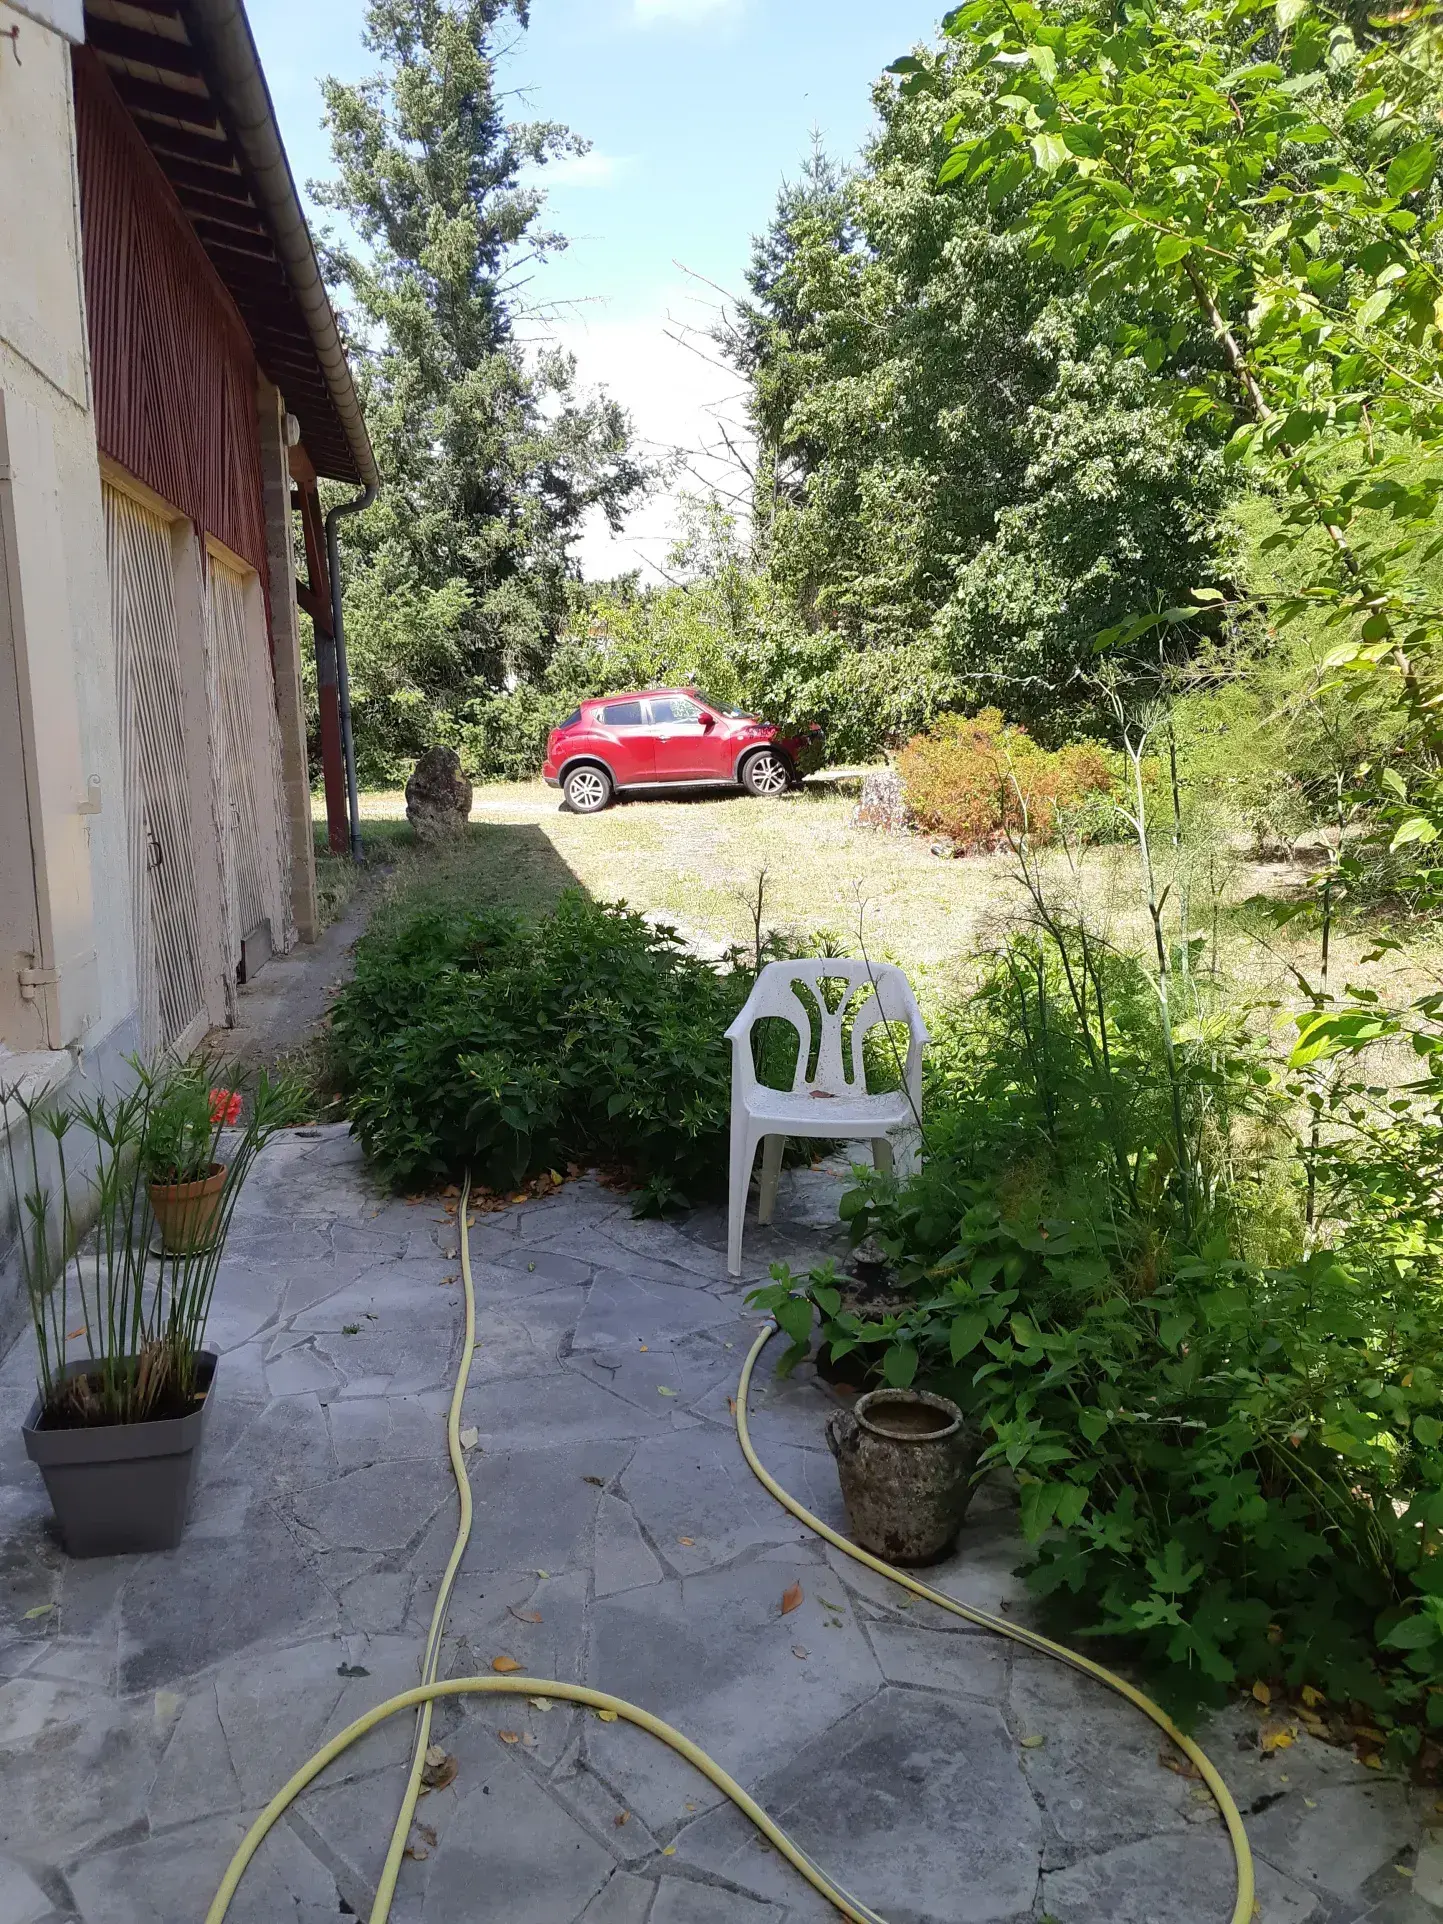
(429, 1690)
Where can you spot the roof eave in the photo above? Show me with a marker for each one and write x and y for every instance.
(223, 34)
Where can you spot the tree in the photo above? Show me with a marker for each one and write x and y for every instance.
(491, 458)
(964, 461)
(1262, 174)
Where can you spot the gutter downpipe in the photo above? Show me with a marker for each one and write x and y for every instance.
(343, 677)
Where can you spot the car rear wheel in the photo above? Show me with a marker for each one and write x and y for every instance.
(588, 790)
(765, 773)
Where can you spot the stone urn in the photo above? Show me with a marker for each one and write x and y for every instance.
(438, 796)
(905, 1459)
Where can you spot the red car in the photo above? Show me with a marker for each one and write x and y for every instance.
(667, 735)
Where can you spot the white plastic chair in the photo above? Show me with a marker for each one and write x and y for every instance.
(833, 1101)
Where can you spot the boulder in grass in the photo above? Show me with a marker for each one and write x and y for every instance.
(438, 796)
(883, 805)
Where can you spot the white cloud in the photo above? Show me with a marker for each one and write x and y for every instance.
(591, 169)
(676, 399)
(684, 10)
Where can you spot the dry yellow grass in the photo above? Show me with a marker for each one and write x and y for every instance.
(696, 859)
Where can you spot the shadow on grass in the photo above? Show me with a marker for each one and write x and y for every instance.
(490, 865)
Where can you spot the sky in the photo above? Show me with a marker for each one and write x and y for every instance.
(697, 111)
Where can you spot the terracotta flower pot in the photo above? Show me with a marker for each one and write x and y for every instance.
(188, 1212)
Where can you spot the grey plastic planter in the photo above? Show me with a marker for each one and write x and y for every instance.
(121, 1487)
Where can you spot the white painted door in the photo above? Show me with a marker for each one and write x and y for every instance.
(158, 818)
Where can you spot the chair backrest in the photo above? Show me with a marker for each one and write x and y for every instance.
(875, 992)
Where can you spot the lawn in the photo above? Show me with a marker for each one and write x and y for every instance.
(695, 860)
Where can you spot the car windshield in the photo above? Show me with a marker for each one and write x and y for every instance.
(721, 707)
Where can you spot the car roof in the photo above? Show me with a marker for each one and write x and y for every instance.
(640, 694)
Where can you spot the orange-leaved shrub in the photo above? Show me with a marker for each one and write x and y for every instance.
(978, 779)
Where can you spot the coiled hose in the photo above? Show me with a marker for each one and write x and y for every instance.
(424, 1697)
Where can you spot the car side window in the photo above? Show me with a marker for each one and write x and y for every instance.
(622, 714)
(675, 708)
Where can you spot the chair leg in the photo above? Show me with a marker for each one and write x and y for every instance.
(772, 1147)
(743, 1153)
(882, 1155)
(907, 1151)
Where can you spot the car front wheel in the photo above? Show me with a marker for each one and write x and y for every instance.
(766, 773)
(588, 790)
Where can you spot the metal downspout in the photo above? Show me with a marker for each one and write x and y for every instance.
(343, 676)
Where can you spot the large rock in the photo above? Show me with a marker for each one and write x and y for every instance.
(883, 805)
(438, 796)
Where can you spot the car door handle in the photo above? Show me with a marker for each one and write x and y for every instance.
(665, 738)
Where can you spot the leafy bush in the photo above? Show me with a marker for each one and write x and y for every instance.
(505, 1046)
(982, 780)
(1230, 1449)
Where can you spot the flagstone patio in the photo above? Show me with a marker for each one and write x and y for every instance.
(151, 1705)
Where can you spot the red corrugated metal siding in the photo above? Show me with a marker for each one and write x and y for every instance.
(174, 371)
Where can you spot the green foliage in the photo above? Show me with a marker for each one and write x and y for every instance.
(1260, 190)
(507, 1047)
(82, 1166)
(985, 782)
(1228, 1452)
(458, 576)
(956, 458)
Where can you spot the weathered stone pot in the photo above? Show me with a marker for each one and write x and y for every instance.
(188, 1212)
(905, 1459)
(119, 1488)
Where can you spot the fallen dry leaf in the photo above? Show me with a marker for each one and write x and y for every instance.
(1369, 1735)
(470, 1438)
(607, 1716)
(670, 1851)
(38, 1610)
(1261, 1693)
(620, 1818)
(524, 1616)
(1277, 1737)
(690, 1542)
(791, 1599)
(1179, 1765)
(505, 1665)
(509, 1736)
(418, 1853)
(1372, 1761)
(539, 1703)
(1033, 1743)
(599, 1481)
(732, 1404)
(1312, 1698)
(439, 1769)
(71, 1334)
(645, 1349)
(662, 1390)
(425, 1832)
(798, 1650)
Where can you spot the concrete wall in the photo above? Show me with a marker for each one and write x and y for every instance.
(44, 371)
(64, 878)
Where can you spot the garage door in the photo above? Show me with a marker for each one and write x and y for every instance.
(162, 844)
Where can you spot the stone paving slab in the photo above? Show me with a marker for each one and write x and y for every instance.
(149, 1705)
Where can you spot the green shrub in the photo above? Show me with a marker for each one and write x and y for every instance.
(1230, 1449)
(981, 780)
(505, 1046)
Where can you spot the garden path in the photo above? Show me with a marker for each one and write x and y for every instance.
(151, 1705)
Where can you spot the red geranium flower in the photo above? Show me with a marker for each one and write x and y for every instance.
(225, 1106)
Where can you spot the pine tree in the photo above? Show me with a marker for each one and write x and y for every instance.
(491, 458)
